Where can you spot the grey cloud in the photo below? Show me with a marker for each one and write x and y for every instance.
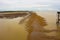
(53, 4)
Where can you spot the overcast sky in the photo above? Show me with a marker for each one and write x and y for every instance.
(29, 5)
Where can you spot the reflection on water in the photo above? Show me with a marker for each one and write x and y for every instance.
(11, 30)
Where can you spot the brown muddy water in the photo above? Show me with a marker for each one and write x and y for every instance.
(11, 30)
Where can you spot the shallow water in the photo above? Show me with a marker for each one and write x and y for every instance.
(11, 30)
